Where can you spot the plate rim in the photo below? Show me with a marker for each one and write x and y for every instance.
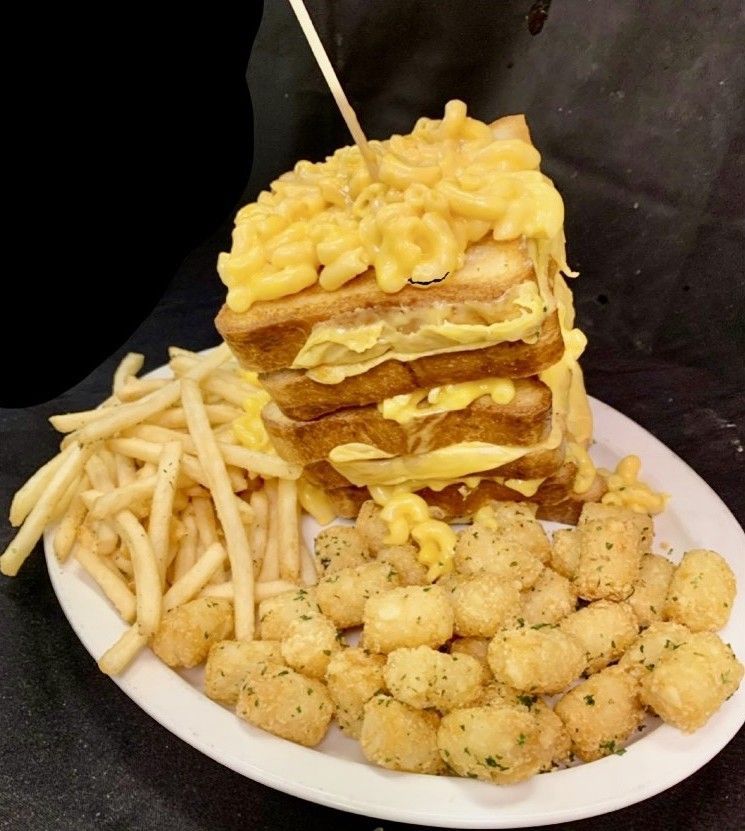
(477, 810)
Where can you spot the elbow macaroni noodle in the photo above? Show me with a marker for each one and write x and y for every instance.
(449, 183)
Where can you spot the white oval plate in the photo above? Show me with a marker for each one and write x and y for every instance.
(336, 773)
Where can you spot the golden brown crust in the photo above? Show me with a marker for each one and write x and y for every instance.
(301, 398)
(524, 421)
(269, 335)
(534, 465)
(555, 499)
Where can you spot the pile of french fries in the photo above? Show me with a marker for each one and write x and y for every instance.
(157, 500)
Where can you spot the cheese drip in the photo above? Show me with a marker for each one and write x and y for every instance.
(450, 397)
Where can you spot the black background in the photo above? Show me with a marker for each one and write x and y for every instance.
(137, 140)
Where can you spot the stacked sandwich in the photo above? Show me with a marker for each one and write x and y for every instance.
(412, 326)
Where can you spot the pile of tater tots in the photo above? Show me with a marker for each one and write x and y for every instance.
(453, 677)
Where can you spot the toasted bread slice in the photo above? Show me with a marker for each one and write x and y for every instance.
(270, 334)
(555, 498)
(301, 398)
(534, 465)
(526, 420)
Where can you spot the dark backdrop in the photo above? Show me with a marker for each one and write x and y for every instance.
(637, 108)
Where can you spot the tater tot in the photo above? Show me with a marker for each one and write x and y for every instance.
(605, 630)
(644, 653)
(340, 546)
(277, 613)
(398, 737)
(690, 683)
(309, 644)
(229, 661)
(565, 552)
(517, 528)
(610, 552)
(552, 598)
(483, 604)
(553, 736)
(543, 660)
(342, 595)
(479, 549)
(354, 676)
(408, 616)
(601, 713)
(284, 702)
(423, 677)
(187, 632)
(650, 589)
(701, 592)
(404, 561)
(477, 648)
(599, 511)
(496, 743)
(371, 527)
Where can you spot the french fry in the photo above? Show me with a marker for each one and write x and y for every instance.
(129, 365)
(107, 537)
(106, 504)
(127, 415)
(66, 498)
(270, 566)
(206, 364)
(161, 507)
(186, 555)
(262, 591)
(122, 562)
(232, 393)
(260, 507)
(119, 656)
(136, 388)
(238, 481)
(148, 451)
(308, 572)
(204, 515)
(147, 577)
(69, 422)
(175, 419)
(38, 517)
(180, 501)
(67, 530)
(98, 474)
(265, 464)
(183, 365)
(29, 493)
(125, 470)
(236, 540)
(194, 580)
(107, 457)
(288, 542)
(112, 585)
(245, 510)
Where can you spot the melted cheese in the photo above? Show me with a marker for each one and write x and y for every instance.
(626, 490)
(364, 464)
(249, 428)
(315, 501)
(406, 408)
(407, 517)
(332, 353)
(447, 184)
(585, 475)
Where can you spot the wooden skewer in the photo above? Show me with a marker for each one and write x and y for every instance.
(348, 114)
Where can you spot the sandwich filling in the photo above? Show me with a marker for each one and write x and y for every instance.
(445, 399)
(363, 464)
(447, 184)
